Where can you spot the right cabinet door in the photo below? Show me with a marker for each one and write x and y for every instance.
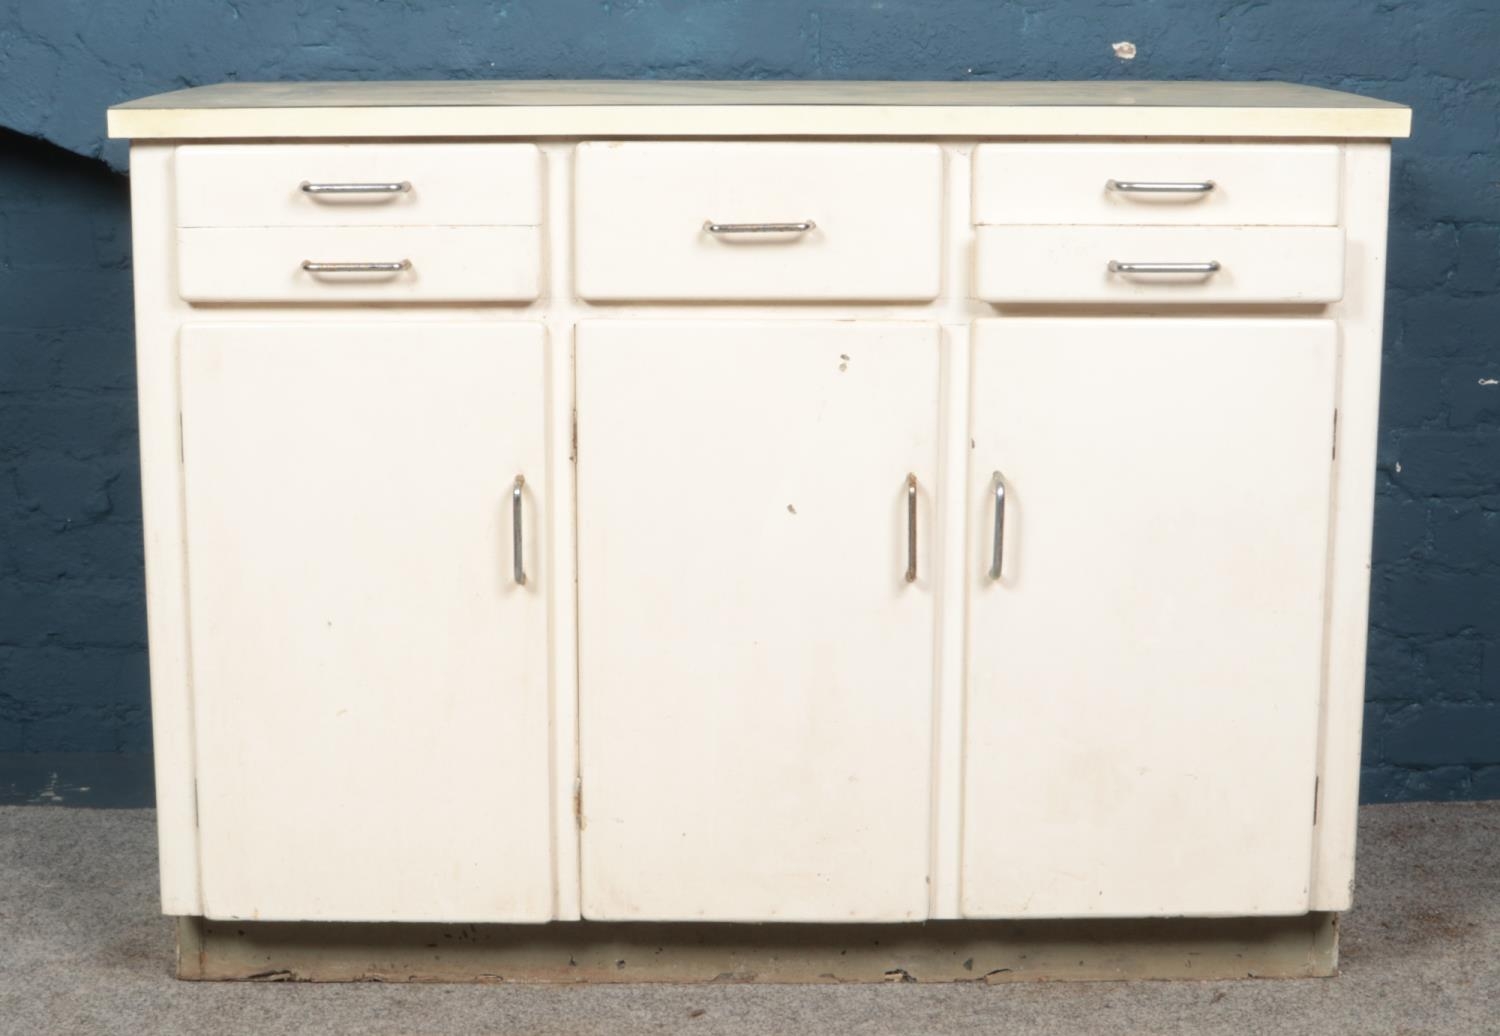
(1144, 662)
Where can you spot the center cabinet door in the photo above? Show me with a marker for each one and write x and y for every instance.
(370, 677)
(1144, 673)
(756, 672)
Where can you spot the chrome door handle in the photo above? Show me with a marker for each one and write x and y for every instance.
(518, 564)
(355, 188)
(911, 528)
(395, 266)
(1207, 266)
(799, 227)
(997, 557)
(1160, 186)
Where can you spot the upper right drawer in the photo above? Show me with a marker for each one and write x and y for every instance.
(1172, 184)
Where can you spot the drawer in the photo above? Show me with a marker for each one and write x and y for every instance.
(431, 264)
(689, 221)
(299, 185)
(1075, 264)
(1206, 184)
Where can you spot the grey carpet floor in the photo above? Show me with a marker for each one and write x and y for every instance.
(83, 950)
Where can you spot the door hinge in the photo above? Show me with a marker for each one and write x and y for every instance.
(181, 443)
(1335, 433)
(195, 804)
(578, 803)
(573, 444)
(1316, 782)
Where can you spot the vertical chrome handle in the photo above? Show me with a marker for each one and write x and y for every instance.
(997, 558)
(911, 528)
(517, 562)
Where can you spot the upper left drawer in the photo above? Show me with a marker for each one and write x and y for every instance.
(338, 223)
(328, 185)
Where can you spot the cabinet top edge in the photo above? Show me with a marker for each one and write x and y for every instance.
(585, 108)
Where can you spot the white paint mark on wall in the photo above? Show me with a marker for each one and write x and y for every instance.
(1124, 50)
(1489, 381)
(48, 794)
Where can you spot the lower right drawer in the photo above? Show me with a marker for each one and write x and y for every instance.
(1158, 264)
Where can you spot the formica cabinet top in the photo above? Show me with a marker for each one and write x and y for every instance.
(623, 108)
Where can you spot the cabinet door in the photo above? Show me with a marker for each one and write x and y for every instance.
(369, 677)
(1143, 678)
(756, 672)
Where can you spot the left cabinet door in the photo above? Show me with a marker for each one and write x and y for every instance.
(370, 674)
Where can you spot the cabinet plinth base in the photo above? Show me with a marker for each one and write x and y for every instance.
(588, 952)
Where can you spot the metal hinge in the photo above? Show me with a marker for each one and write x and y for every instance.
(195, 803)
(1316, 782)
(573, 453)
(1335, 433)
(578, 803)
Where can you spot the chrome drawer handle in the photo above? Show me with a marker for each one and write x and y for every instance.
(517, 563)
(800, 227)
(395, 267)
(1211, 266)
(355, 188)
(911, 528)
(1160, 186)
(998, 556)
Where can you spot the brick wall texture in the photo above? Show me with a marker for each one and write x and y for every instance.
(72, 652)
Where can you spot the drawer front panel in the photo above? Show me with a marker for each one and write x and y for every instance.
(858, 221)
(1033, 264)
(1210, 184)
(441, 264)
(261, 185)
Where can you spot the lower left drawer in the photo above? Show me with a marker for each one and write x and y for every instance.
(359, 264)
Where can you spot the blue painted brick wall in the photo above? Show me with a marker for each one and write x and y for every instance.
(72, 673)
(72, 627)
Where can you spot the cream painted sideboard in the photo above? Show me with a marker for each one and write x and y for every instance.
(757, 502)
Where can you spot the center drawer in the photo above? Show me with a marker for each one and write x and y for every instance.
(758, 221)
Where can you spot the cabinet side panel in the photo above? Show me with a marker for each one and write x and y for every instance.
(1366, 192)
(161, 505)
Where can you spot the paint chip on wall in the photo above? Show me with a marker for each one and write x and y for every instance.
(1124, 50)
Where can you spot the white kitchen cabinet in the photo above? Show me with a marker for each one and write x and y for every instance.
(1150, 503)
(762, 353)
(767, 489)
(369, 670)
